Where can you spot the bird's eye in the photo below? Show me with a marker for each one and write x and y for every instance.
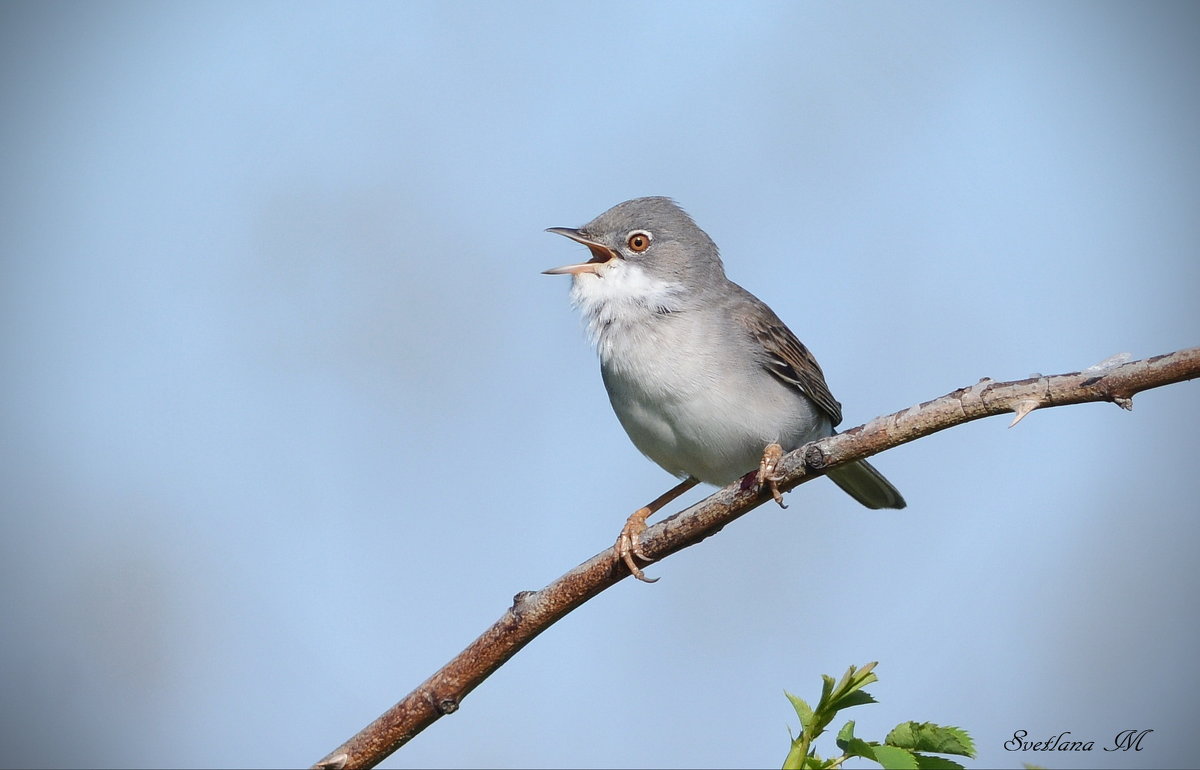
(639, 241)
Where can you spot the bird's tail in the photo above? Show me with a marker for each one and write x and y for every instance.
(861, 481)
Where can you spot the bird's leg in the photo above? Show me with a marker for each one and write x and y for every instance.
(766, 471)
(629, 542)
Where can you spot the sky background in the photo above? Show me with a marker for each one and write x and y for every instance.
(288, 414)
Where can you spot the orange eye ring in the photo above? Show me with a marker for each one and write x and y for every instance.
(638, 241)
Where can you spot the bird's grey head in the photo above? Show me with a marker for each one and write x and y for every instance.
(652, 234)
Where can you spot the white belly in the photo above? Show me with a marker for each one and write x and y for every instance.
(704, 416)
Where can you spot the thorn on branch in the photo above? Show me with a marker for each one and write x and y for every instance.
(1023, 408)
(336, 762)
(1110, 362)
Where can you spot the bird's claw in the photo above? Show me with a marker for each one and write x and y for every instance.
(766, 471)
(629, 544)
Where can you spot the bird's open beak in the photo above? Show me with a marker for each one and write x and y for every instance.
(600, 254)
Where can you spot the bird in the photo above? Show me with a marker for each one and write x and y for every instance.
(704, 377)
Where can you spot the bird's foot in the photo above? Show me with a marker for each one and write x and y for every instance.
(766, 471)
(629, 543)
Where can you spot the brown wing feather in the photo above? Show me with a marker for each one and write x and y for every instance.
(791, 362)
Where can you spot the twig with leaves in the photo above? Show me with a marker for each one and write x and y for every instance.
(908, 745)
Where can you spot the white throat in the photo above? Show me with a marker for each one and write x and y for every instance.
(620, 300)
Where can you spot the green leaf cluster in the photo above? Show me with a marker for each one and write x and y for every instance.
(909, 746)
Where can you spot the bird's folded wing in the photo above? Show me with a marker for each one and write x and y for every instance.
(788, 359)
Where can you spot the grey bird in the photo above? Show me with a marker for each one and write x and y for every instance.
(703, 376)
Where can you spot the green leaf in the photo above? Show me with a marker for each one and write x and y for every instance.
(858, 748)
(927, 736)
(895, 758)
(847, 692)
(928, 762)
(858, 698)
(826, 690)
(851, 746)
(804, 711)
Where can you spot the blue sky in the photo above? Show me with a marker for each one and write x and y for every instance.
(289, 414)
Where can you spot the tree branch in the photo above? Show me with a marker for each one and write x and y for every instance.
(534, 611)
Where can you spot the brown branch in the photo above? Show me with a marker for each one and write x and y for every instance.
(534, 611)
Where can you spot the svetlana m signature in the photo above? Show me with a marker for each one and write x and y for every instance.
(1064, 741)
